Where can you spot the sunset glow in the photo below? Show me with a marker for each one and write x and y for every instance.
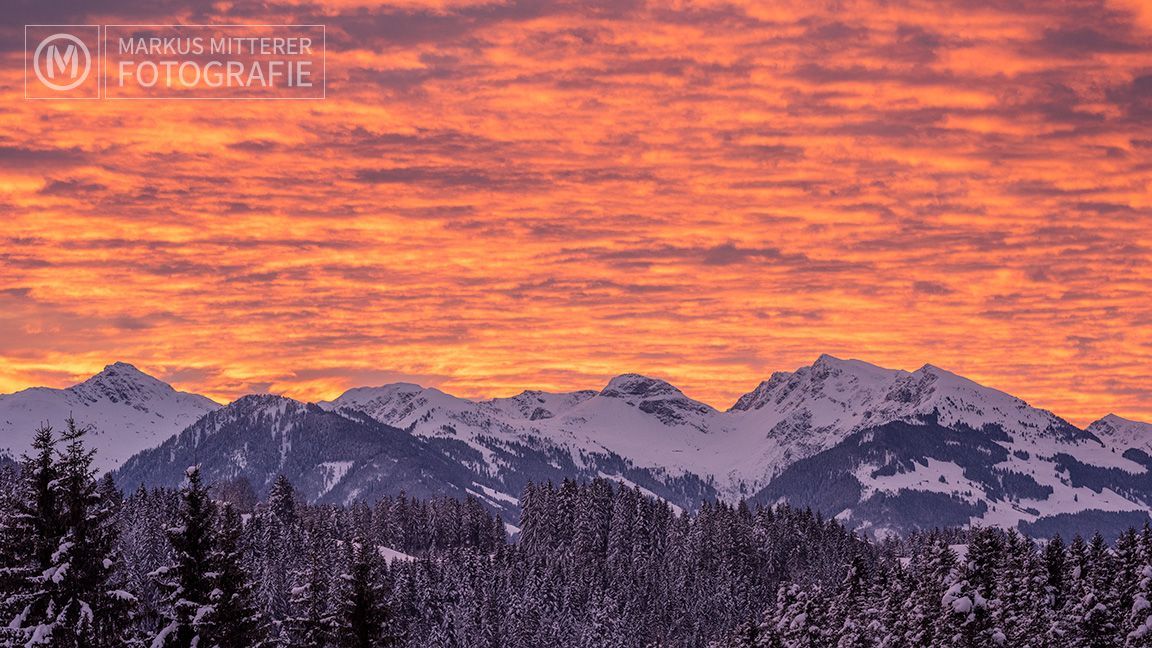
(500, 196)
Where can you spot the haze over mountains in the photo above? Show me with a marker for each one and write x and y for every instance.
(884, 450)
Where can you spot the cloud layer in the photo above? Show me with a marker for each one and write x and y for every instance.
(543, 194)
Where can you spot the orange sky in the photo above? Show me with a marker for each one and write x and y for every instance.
(544, 194)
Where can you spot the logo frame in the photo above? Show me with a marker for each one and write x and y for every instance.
(93, 65)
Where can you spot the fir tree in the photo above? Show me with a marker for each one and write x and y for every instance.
(313, 621)
(35, 529)
(363, 615)
(188, 580)
(850, 607)
(969, 601)
(234, 621)
(280, 538)
(67, 590)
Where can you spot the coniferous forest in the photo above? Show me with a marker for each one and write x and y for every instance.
(593, 564)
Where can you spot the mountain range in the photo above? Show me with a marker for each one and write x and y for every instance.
(882, 450)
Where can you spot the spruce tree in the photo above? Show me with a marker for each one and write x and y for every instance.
(1139, 622)
(849, 610)
(969, 602)
(235, 621)
(279, 539)
(36, 529)
(70, 524)
(1025, 612)
(363, 614)
(188, 581)
(1098, 623)
(312, 621)
(92, 613)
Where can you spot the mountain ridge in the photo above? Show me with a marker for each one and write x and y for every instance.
(894, 446)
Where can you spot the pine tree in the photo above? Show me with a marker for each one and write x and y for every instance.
(69, 602)
(1024, 613)
(1139, 622)
(280, 538)
(1099, 625)
(931, 569)
(969, 600)
(188, 580)
(14, 554)
(1056, 573)
(799, 620)
(849, 607)
(144, 548)
(234, 621)
(363, 620)
(36, 529)
(1128, 567)
(94, 613)
(890, 592)
(1087, 620)
(312, 622)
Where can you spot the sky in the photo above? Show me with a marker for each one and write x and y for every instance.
(543, 194)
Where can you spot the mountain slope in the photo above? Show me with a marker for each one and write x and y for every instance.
(128, 410)
(328, 457)
(634, 429)
(901, 476)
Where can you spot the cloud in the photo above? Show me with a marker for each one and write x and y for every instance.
(500, 195)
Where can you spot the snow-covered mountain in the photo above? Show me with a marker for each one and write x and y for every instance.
(1122, 433)
(895, 447)
(654, 425)
(327, 456)
(881, 449)
(128, 410)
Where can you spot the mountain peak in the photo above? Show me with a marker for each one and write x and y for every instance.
(263, 402)
(631, 384)
(1116, 418)
(1124, 433)
(128, 410)
(123, 370)
(120, 364)
(121, 382)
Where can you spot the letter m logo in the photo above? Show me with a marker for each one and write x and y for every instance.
(58, 61)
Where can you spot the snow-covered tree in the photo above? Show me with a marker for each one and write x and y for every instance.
(33, 529)
(67, 595)
(235, 621)
(363, 613)
(313, 618)
(188, 580)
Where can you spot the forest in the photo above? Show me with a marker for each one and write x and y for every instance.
(593, 564)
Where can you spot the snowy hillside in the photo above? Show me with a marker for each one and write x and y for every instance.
(327, 457)
(129, 410)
